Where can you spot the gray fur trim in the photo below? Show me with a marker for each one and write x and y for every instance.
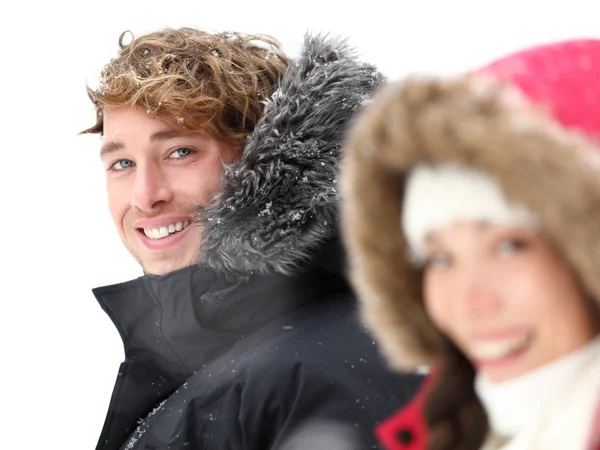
(280, 200)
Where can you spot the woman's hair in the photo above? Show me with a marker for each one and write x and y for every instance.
(190, 78)
(455, 417)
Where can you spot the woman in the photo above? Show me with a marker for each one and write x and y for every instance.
(472, 219)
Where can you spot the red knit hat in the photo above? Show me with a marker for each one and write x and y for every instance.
(564, 77)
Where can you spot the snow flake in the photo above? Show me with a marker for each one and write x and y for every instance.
(267, 211)
(143, 426)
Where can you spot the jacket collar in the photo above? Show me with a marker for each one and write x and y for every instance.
(182, 320)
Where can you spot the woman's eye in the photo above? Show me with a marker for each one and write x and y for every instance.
(122, 164)
(438, 261)
(508, 247)
(180, 153)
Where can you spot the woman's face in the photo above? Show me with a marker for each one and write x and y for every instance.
(505, 297)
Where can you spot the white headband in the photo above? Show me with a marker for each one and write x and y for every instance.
(437, 196)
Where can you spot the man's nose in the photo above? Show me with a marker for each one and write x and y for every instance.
(151, 188)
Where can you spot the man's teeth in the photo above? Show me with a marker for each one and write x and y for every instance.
(159, 233)
(499, 348)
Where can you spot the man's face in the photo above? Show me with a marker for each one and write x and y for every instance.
(156, 176)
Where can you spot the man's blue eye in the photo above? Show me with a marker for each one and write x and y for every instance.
(181, 153)
(122, 164)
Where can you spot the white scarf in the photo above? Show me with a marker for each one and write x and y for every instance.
(550, 407)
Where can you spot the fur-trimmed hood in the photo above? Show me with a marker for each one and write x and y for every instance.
(537, 138)
(280, 201)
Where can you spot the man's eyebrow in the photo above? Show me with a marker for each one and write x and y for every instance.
(113, 146)
(169, 134)
(110, 147)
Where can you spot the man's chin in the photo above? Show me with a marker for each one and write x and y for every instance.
(164, 261)
(164, 267)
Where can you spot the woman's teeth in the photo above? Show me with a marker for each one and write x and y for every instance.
(159, 233)
(498, 348)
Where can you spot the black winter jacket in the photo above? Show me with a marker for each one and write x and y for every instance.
(261, 337)
(224, 363)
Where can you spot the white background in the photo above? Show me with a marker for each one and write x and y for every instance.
(60, 352)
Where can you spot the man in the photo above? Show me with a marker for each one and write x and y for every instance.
(221, 159)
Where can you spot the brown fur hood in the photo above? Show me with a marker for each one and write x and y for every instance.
(472, 121)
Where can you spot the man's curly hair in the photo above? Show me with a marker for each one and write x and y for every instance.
(193, 79)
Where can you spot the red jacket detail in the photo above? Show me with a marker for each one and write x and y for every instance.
(406, 430)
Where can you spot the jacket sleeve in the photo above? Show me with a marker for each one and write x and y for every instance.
(293, 404)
